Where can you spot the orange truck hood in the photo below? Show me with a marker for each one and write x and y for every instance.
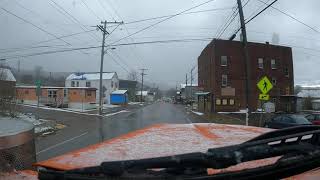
(164, 140)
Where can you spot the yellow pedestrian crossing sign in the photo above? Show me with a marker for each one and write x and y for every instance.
(264, 85)
(264, 97)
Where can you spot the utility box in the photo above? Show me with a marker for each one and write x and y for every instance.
(17, 145)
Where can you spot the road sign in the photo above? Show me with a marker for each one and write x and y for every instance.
(264, 85)
(38, 90)
(264, 97)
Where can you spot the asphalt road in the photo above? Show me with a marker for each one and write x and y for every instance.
(83, 130)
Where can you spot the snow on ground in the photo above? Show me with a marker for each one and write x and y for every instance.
(111, 114)
(60, 109)
(41, 126)
(133, 103)
(198, 113)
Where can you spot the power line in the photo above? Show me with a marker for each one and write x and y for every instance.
(34, 25)
(90, 10)
(256, 15)
(71, 17)
(31, 46)
(114, 60)
(94, 47)
(292, 17)
(52, 52)
(128, 33)
(161, 17)
(145, 28)
(123, 61)
(233, 16)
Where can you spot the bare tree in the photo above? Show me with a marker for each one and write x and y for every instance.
(132, 75)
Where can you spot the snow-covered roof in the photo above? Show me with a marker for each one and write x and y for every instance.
(144, 93)
(6, 75)
(309, 92)
(184, 85)
(90, 76)
(119, 92)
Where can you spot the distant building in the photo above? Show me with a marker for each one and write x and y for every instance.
(7, 83)
(308, 98)
(72, 97)
(146, 96)
(221, 75)
(110, 83)
(188, 91)
(129, 85)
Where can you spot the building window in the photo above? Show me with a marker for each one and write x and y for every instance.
(88, 84)
(273, 64)
(64, 92)
(52, 94)
(111, 84)
(260, 63)
(224, 101)
(72, 84)
(224, 61)
(274, 81)
(224, 80)
(218, 102)
(89, 93)
(286, 72)
(77, 83)
(231, 101)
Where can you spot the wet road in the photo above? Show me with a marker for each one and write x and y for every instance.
(84, 130)
(153, 114)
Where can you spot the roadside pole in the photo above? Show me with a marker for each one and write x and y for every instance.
(246, 62)
(103, 29)
(38, 93)
(142, 74)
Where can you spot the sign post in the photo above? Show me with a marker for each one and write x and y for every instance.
(264, 85)
(38, 91)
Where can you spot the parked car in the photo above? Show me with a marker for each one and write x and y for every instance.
(287, 120)
(314, 118)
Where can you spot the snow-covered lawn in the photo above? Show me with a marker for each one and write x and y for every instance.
(41, 126)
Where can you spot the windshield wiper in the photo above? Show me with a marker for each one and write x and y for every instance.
(292, 144)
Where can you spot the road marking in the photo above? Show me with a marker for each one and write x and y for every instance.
(54, 146)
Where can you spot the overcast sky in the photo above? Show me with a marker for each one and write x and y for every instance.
(167, 63)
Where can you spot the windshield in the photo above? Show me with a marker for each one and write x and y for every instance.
(152, 78)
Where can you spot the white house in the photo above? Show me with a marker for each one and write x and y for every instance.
(110, 83)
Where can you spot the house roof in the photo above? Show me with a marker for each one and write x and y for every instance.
(90, 76)
(119, 92)
(144, 93)
(310, 92)
(6, 75)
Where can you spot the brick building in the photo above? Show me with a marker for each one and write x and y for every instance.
(221, 76)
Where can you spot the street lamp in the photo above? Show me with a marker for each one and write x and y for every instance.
(100, 83)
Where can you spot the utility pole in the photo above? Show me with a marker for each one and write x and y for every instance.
(142, 74)
(246, 58)
(191, 86)
(186, 79)
(103, 29)
(18, 79)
